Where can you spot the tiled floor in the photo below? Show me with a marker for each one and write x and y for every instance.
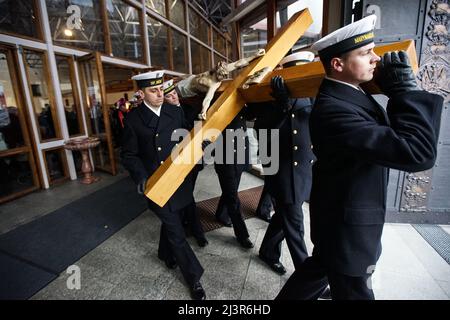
(126, 266)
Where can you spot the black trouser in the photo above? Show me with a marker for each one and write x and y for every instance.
(265, 203)
(190, 214)
(173, 245)
(310, 280)
(287, 222)
(229, 179)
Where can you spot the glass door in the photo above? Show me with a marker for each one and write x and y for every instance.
(97, 112)
(18, 174)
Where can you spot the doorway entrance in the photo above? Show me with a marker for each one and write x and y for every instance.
(104, 84)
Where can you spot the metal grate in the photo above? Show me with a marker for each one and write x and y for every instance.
(437, 238)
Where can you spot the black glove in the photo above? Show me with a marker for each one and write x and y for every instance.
(395, 74)
(280, 92)
(141, 186)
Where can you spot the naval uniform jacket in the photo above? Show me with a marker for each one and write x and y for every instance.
(292, 182)
(355, 142)
(147, 144)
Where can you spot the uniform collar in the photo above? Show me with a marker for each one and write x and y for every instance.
(156, 110)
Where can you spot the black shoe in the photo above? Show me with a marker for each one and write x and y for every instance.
(245, 243)
(202, 242)
(275, 266)
(197, 291)
(225, 222)
(326, 294)
(171, 264)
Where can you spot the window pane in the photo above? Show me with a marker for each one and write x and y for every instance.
(176, 12)
(254, 37)
(76, 23)
(36, 65)
(158, 6)
(125, 30)
(16, 174)
(219, 43)
(55, 165)
(311, 35)
(157, 37)
(201, 58)
(199, 28)
(71, 107)
(180, 52)
(10, 128)
(18, 16)
(229, 51)
(218, 58)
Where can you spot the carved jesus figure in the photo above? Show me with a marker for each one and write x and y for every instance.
(208, 82)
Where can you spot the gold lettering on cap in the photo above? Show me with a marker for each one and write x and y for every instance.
(363, 37)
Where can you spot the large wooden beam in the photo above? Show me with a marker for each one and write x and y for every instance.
(304, 80)
(169, 176)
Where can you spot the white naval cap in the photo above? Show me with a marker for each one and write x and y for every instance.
(297, 58)
(168, 86)
(350, 37)
(149, 79)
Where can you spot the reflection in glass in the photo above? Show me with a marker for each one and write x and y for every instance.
(55, 167)
(10, 128)
(44, 110)
(18, 16)
(157, 37)
(16, 174)
(229, 51)
(71, 108)
(76, 23)
(201, 58)
(218, 58)
(176, 13)
(95, 112)
(199, 28)
(180, 52)
(158, 6)
(94, 99)
(125, 30)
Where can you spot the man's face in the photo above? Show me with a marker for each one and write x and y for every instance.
(172, 98)
(358, 65)
(154, 96)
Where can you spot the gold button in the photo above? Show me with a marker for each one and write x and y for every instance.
(311, 146)
(159, 148)
(294, 132)
(161, 162)
(293, 115)
(157, 135)
(311, 161)
(295, 163)
(295, 147)
(242, 117)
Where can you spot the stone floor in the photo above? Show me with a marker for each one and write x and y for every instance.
(126, 266)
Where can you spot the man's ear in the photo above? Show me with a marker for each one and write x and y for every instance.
(337, 64)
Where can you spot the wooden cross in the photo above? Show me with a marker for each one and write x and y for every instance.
(302, 81)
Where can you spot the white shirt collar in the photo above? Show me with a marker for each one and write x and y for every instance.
(346, 83)
(157, 110)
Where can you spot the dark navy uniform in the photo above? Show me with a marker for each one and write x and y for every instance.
(147, 143)
(291, 185)
(237, 152)
(355, 142)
